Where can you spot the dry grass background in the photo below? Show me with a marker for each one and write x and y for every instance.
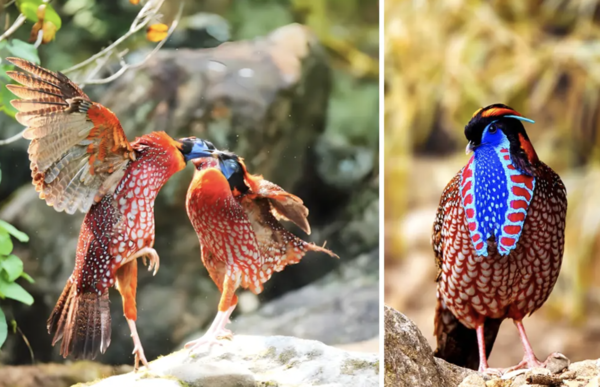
(443, 61)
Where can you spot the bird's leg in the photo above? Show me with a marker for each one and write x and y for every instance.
(138, 350)
(217, 328)
(483, 364)
(220, 330)
(146, 252)
(529, 359)
(227, 304)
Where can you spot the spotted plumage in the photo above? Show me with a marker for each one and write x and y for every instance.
(235, 215)
(81, 160)
(498, 238)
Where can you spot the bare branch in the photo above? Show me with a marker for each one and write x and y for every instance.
(18, 23)
(39, 38)
(146, 14)
(12, 139)
(126, 66)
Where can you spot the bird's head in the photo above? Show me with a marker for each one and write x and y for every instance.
(195, 148)
(231, 165)
(497, 127)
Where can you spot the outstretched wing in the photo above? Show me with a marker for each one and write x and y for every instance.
(284, 205)
(78, 149)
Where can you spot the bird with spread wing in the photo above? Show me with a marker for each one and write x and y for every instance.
(236, 216)
(82, 161)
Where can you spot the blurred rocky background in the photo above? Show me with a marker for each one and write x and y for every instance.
(290, 85)
(443, 62)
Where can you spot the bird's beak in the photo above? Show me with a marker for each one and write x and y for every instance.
(200, 149)
(470, 148)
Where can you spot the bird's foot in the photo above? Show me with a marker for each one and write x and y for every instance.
(153, 261)
(204, 343)
(224, 334)
(145, 253)
(138, 351)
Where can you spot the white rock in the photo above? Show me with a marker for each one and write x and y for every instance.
(255, 360)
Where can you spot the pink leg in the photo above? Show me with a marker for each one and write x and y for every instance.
(217, 330)
(529, 359)
(137, 346)
(483, 364)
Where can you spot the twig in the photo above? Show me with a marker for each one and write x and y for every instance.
(126, 66)
(148, 11)
(39, 38)
(18, 22)
(13, 138)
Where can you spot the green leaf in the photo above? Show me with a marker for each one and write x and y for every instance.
(15, 291)
(12, 230)
(13, 267)
(24, 50)
(27, 277)
(6, 244)
(3, 328)
(29, 9)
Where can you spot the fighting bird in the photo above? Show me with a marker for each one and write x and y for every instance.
(498, 239)
(236, 216)
(81, 160)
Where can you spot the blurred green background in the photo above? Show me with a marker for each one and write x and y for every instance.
(443, 61)
(344, 204)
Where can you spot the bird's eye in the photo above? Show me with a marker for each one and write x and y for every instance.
(493, 129)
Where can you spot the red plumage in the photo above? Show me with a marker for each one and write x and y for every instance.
(81, 160)
(242, 241)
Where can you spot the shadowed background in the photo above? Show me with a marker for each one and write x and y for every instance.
(443, 62)
(300, 104)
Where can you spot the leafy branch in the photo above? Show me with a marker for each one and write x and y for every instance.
(11, 269)
(148, 13)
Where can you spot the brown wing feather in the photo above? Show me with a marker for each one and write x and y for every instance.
(284, 205)
(78, 149)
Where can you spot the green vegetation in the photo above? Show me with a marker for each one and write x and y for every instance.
(11, 269)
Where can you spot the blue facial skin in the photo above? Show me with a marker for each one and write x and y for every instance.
(199, 149)
(229, 167)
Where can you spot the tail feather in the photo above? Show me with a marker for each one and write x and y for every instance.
(82, 322)
(456, 343)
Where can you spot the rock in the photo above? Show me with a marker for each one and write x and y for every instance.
(409, 360)
(57, 375)
(250, 361)
(341, 308)
(266, 99)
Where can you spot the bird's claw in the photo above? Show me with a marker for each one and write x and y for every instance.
(203, 343)
(224, 334)
(138, 351)
(152, 261)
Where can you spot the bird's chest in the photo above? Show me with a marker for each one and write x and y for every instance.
(223, 228)
(500, 285)
(134, 201)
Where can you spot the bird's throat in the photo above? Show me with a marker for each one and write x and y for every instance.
(496, 197)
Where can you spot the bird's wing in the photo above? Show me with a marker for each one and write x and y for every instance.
(450, 199)
(284, 205)
(78, 149)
